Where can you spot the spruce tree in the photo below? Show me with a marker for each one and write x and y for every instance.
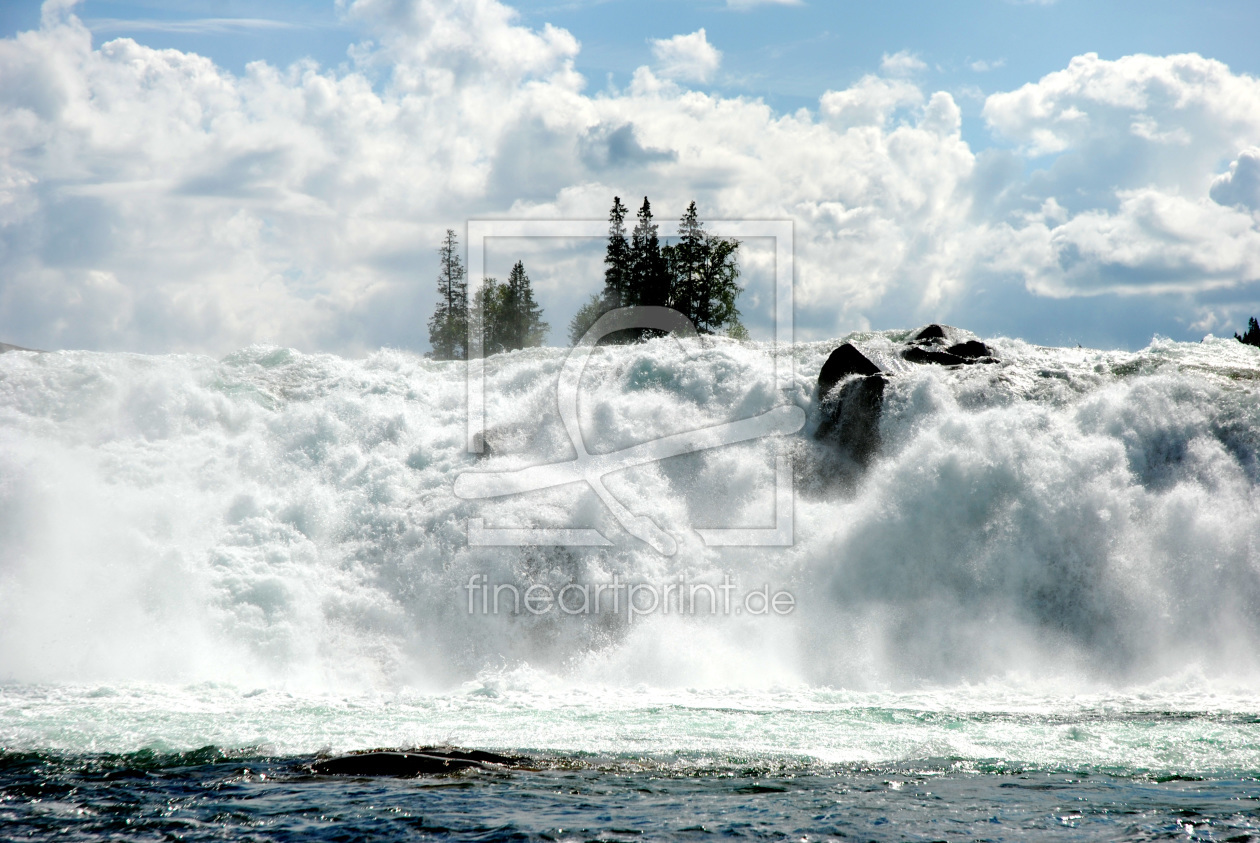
(685, 262)
(650, 283)
(704, 275)
(617, 259)
(619, 288)
(524, 327)
(448, 327)
(697, 276)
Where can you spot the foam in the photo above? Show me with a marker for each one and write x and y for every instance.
(287, 521)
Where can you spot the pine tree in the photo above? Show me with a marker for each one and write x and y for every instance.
(704, 275)
(448, 327)
(524, 327)
(619, 288)
(617, 258)
(650, 283)
(686, 262)
(1252, 337)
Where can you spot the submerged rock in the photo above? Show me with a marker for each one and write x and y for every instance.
(426, 761)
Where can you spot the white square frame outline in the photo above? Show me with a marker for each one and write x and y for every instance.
(781, 231)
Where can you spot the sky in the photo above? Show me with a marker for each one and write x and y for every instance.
(201, 175)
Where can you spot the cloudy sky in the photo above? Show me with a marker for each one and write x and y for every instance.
(199, 175)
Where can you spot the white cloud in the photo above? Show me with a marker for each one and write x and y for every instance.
(1241, 185)
(1154, 242)
(1138, 141)
(983, 66)
(870, 102)
(902, 63)
(150, 200)
(689, 58)
(1094, 103)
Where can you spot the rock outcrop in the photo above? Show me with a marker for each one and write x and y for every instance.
(851, 396)
(942, 346)
(851, 387)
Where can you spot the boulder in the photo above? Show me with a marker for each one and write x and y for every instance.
(844, 361)
(971, 350)
(929, 333)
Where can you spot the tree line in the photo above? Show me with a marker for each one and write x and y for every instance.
(698, 276)
(506, 312)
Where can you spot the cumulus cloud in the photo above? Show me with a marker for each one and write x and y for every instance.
(902, 63)
(689, 58)
(1241, 185)
(150, 200)
(1136, 142)
(870, 102)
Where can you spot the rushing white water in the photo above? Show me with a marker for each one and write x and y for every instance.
(1068, 519)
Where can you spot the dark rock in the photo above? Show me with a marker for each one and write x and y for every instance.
(427, 761)
(850, 417)
(928, 333)
(4, 346)
(971, 349)
(844, 361)
(480, 756)
(397, 764)
(919, 354)
(851, 390)
(940, 345)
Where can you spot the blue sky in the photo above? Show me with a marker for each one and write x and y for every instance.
(1046, 170)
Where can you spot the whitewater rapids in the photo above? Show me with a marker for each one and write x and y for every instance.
(1070, 518)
